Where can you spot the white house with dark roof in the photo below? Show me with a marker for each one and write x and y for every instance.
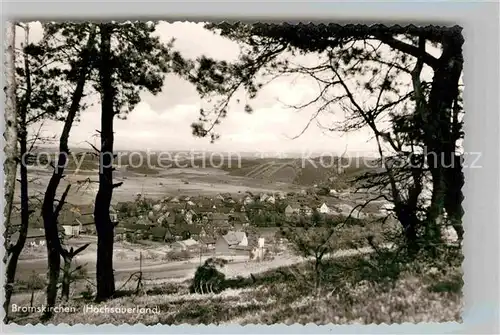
(233, 243)
(292, 209)
(324, 209)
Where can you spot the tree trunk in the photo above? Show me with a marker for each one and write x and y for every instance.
(435, 211)
(317, 271)
(454, 197)
(66, 280)
(10, 134)
(406, 216)
(454, 179)
(9, 281)
(441, 137)
(22, 132)
(54, 260)
(32, 298)
(104, 226)
(49, 214)
(15, 252)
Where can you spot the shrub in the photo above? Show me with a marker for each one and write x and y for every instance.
(208, 279)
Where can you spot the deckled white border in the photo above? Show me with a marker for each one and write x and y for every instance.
(481, 30)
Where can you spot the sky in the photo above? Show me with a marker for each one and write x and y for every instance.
(163, 122)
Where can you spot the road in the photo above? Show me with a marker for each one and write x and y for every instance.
(238, 266)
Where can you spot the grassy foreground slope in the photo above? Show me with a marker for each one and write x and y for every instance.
(352, 292)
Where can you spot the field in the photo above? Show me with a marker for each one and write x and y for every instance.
(194, 176)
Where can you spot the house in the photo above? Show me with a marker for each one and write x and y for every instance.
(120, 233)
(219, 218)
(169, 220)
(202, 232)
(67, 217)
(225, 209)
(236, 238)
(162, 219)
(280, 195)
(86, 223)
(84, 216)
(72, 229)
(227, 198)
(173, 206)
(324, 209)
(234, 242)
(257, 252)
(204, 209)
(158, 233)
(87, 209)
(189, 215)
(238, 218)
(175, 200)
(185, 244)
(271, 199)
(263, 197)
(306, 210)
(289, 210)
(113, 214)
(184, 232)
(208, 242)
(240, 208)
(238, 226)
(220, 197)
(204, 220)
(157, 208)
(247, 200)
(226, 195)
(138, 230)
(220, 222)
(204, 202)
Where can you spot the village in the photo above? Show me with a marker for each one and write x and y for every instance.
(226, 225)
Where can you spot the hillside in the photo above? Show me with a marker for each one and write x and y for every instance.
(298, 171)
